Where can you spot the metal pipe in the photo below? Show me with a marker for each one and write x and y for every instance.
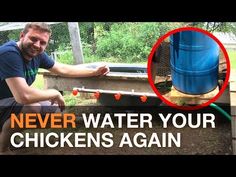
(131, 93)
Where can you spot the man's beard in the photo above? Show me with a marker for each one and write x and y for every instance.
(27, 51)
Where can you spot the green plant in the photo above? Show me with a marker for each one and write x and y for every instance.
(232, 57)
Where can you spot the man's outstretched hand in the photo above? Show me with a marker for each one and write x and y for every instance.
(102, 70)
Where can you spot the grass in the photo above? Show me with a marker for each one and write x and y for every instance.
(232, 57)
(80, 100)
(70, 99)
(39, 82)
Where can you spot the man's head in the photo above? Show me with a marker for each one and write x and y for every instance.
(34, 39)
(40, 26)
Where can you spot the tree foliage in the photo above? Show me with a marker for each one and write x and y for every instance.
(125, 41)
(131, 41)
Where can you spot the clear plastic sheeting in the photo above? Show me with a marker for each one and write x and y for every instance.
(6, 26)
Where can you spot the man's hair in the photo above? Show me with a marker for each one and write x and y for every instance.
(41, 26)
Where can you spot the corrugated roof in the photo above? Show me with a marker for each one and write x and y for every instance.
(225, 38)
(6, 26)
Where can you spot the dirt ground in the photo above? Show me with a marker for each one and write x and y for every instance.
(199, 141)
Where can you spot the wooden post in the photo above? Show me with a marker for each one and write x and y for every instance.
(76, 42)
(232, 83)
(234, 134)
(233, 121)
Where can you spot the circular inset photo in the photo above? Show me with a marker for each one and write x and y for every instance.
(188, 68)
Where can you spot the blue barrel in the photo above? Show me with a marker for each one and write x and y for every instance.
(194, 59)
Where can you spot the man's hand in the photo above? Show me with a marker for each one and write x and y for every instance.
(101, 70)
(59, 100)
(79, 70)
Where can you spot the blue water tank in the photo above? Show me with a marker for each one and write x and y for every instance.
(194, 59)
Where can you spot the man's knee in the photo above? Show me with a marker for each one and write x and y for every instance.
(47, 107)
(31, 108)
(40, 107)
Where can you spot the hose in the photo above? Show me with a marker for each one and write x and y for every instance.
(221, 111)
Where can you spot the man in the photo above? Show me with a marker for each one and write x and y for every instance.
(19, 65)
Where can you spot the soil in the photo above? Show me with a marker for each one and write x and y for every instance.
(199, 141)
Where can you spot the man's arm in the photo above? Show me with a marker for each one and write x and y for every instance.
(25, 94)
(76, 71)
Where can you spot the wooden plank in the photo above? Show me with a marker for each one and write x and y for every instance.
(180, 98)
(225, 97)
(232, 86)
(109, 76)
(232, 77)
(233, 103)
(233, 127)
(118, 83)
(234, 146)
(76, 42)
